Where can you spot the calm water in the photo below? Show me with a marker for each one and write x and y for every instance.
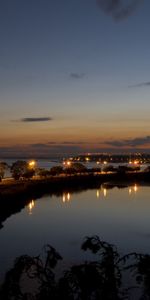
(119, 216)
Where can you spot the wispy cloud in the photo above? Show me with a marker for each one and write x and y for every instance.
(74, 143)
(136, 142)
(117, 9)
(77, 75)
(141, 84)
(36, 119)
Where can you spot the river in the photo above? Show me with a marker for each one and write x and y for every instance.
(119, 215)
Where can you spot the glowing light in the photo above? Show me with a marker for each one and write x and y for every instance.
(105, 162)
(136, 162)
(87, 159)
(130, 191)
(97, 193)
(105, 192)
(130, 162)
(31, 206)
(66, 197)
(98, 162)
(135, 188)
(68, 163)
(32, 163)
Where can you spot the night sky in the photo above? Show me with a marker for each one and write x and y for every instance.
(74, 76)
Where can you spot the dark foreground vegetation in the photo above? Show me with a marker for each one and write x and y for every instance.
(108, 276)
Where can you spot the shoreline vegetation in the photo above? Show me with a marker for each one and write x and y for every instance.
(110, 275)
(16, 194)
(28, 181)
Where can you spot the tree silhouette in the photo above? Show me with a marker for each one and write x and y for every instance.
(91, 280)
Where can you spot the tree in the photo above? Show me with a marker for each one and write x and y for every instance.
(56, 170)
(3, 168)
(19, 168)
(78, 167)
(101, 278)
(70, 171)
(109, 168)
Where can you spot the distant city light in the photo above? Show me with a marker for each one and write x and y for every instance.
(68, 163)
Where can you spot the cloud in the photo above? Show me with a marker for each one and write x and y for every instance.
(142, 84)
(136, 142)
(39, 145)
(36, 119)
(73, 143)
(38, 150)
(117, 9)
(77, 75)
(115, 143)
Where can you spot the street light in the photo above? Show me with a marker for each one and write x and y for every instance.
(32, 163)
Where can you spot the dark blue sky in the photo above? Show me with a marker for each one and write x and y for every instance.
(79, 77)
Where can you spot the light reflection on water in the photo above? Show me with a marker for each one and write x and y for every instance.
(31, 206)
(118, 215)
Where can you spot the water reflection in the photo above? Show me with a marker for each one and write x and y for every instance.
(31, 205)
(66, 197)
(98, 193)
(134, 189)
(105, 192)
(64, 220)
(130, 191)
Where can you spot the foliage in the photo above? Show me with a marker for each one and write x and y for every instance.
(92, 280)
(56, 170)
(124, 169)
(42, 172)
(29, 173)
(78, 167)
(3, 168)
(70, 171)
(21, 168)
(94, 170)
(109, 168)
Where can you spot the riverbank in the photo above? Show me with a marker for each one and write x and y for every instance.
(57, 184)
(15, 195)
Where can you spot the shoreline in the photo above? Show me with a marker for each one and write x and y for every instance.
(15, 195)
